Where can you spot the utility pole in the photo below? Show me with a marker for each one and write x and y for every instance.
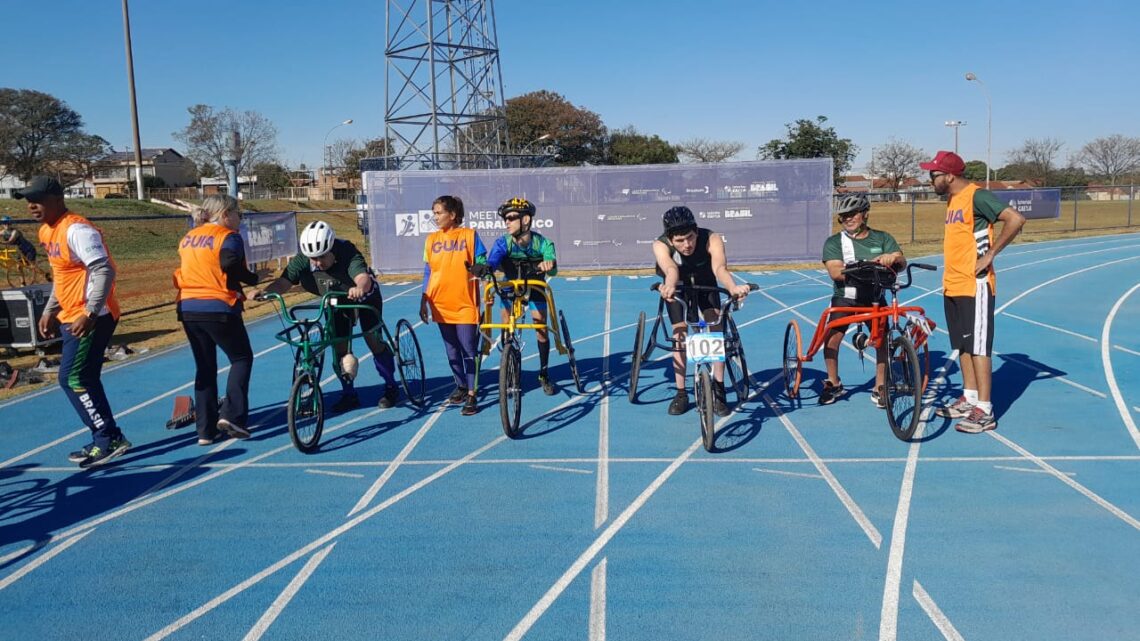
(134, 103)
(955, 124)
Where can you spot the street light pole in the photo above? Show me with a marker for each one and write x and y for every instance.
(328, 153)
(971, 77)
(955, 124)
(134, 102)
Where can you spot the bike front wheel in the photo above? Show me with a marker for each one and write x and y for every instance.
(410, 362)
(635, 357)
(704, 396)
(510, 389)
(793, 367)
(570, 351)
(306, 414)
(904, 388)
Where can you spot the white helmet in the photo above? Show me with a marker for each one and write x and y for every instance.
(317, 239)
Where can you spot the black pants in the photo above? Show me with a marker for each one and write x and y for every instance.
(231, 337)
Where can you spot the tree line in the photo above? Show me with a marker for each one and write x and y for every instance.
(40, 134)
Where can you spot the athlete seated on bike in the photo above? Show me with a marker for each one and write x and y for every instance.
(522, 244)
(856, 242)
(326, 264)
(691, 255)
(9, 235)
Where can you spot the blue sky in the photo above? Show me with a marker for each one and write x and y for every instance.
(716, 69)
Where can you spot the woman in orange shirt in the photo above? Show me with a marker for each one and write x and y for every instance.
(451, 296)
(210, 299)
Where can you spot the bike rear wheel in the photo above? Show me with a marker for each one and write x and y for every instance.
(410, 363)
(306, 415)
(569, 351)
(904, 388)
(510, 389)
(635, 357)
(736, 365)
(704, 396)
(793, 367)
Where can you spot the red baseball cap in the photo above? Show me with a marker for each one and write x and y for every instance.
(946, 161)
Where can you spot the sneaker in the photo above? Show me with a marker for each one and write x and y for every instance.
(831, 392)
(470, 407)
(977, 422)
(958, 409)
(391, 395)
(210, 441)
(82, 453)
(232, 429)
(680, 403)
(458, 395)
(879, 398)
(547, 386)
(720, 406)
(346, 402)
(97, 456)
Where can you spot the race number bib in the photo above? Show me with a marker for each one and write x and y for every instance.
(707, 347)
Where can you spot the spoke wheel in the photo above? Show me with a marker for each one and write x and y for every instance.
(510, 389)
(410, 362)
(904, 388)
(570, 351)
(704, 396)
(316, 335)
(736, 365)
(635, 357)
(306, 415)
(922, 348)
(793, 367)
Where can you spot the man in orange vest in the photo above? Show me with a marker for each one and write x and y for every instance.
(968, 284)
(83, 309)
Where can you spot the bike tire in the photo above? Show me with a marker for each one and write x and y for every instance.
(410, 361)
(904, 388)
(570, 351)
(316, 334)
(306, 413)
(741, 382)
(510, 389)
(793, 366)
(635, 357)
(704, 397)
(918, 338)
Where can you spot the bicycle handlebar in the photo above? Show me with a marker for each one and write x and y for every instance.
(752, 287)
(878, 268)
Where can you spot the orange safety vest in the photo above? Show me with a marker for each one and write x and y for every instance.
(450, 294)
(201, 275)
(69, 274)
(961, 246)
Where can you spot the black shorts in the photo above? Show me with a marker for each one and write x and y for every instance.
(344, 320)
(696, 301)
(839, 301)
(970, 321)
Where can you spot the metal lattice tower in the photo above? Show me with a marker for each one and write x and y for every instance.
(443, 88)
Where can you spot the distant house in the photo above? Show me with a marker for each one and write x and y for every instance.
(1109, 192)
(221, 185)
(116, 172)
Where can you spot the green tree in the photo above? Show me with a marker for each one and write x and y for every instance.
(896, 161)
(207, 138)
(975, 170)
(34, 126)
(375, 148)
(271, 176)
(629, 147)
(811, 139)
(578, 133)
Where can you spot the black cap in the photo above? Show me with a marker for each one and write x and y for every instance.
(39, 187)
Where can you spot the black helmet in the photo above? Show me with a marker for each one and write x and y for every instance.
(517, 204)
(678, 220)
(852, 204)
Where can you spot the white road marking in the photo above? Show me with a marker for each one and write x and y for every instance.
(602, 490)
(1126, 350)
(332, 473)
(1052, 327)
(597, 629)
(283, 599)
(44, 558)
(936, 616)
(1110, 375)
(374, 489)
(1062, 277)
(1028, 469)
(788, 473)
(555, 468)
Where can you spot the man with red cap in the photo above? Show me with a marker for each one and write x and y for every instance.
(968, 283)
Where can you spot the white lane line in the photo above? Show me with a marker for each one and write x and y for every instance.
(836, 487)
(45, 446)
(949, 632)
(803, 475)
(1059, 379)
(810, 277)
(398, 461)
(1052, 327)
(1092, 496)
(597, 630)
(889, 616)
(1110, 374)
(350, 475)
(605, 334)
(314, 545)
(181, 471)
(1062, 277)
(1126, 350)
(44, 558)
(811, 322)
(602, 490)
(783, 308)
(1032, 470)
(555, 468)
(290, 591)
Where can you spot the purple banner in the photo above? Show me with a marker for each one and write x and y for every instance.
(606, 217)
(1032, 203)
(269, 236)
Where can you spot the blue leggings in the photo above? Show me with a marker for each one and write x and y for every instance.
(80, 368)
(461, 342)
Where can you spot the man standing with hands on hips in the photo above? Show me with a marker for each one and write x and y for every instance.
(82, 308)
(968, 284)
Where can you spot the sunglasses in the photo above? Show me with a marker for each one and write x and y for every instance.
(849, 215)
(511, 218)
(935, 174)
